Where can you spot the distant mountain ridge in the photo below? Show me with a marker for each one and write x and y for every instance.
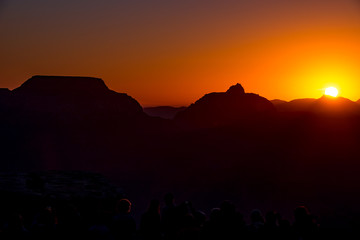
(327, 105)
(89, 95)
(223, 108)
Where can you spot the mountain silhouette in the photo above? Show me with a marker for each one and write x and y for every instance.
(335, 106)
(72, 95)
(226, 108)
(323, 106)
(296, 105)
(277, 102)
(65, 122)
(5, 94)
(60, 85)
(231, 145)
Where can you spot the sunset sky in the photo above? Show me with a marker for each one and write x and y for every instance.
(171, 52)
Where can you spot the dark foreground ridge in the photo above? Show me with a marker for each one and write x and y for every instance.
(229, 145)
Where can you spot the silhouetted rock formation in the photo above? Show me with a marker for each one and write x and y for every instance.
(236, 89)
(277, 102)
(237, 146)
(166, 112)
(232, 107)
(5, 100)
(46, 113)
(324, 106)
(4, 92)
(64, 86)
(338, 106)
(73, 95)
(297, 105)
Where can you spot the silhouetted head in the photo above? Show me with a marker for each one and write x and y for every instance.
(256, 216)
(154, 206)
(271, 218)
(200, 218)
(189, 221)
(301, 214)
(47, 216)
(284, 224)
(215, 214)
(227, 207)
(124, 206)
(169, 199)
(184, 208)
(15, 221)
(69, 216)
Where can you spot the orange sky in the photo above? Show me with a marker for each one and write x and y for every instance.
(173, 52)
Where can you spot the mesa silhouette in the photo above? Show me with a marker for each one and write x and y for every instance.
(71, 95)
(50, 117)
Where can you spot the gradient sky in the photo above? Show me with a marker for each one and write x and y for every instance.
(171, 52)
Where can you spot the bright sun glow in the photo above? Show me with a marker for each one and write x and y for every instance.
(331, 91)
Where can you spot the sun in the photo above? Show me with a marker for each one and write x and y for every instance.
(331, 91)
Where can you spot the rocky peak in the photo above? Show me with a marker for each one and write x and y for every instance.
(236, 89)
